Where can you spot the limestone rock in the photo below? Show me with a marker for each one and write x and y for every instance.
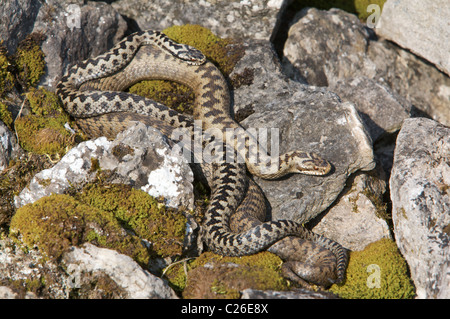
(294, 294)
(16, 21)
(257, 19)
(420, 196)
(8, 146)
(355, 219)
(307, 118)
(381, 109)
(140, 157)
(427, 35)
(75, 32)
(325, 47)
(134, 282)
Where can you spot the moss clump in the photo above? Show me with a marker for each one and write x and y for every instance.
(116, 217)
(140, 213)
(222, 52)
(5, 115)
(6, 77)
(29, 60)
(225, 277)
(216, 49)
(174, 95)
(43, 131)
(13, 180)
(379, 271)
(57, 222)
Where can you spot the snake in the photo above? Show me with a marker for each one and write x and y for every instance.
(94, 93)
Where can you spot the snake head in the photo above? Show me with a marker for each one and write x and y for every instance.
(311, 164)
(191, 55)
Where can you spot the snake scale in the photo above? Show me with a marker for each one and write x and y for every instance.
(93, 93)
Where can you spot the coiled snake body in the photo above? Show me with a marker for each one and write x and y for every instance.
(92, 92)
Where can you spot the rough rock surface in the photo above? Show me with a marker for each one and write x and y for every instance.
(385, 116)
(295, 294)
(17, 265)
(324, 47)
(427, 34)
(75, 32)
(8, 146)
(139, 156)
(420, 196)
(257, 19)
(16, 21)
(354, 219)
(307, 118)
(131, 279)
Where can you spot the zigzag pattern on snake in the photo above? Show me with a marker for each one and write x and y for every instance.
(92, 92)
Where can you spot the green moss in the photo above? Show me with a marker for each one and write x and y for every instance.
(174, 95)
(116, 217)
(57, 222)
(14, 179)
(217, 50)
(140, 213)
(379, 271)
(29, 60)
(259, 271)
(5, 115)
(43, 131)
(6, 77)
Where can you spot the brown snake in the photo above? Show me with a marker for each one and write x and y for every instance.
(92, 92)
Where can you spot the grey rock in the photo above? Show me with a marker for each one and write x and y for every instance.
(257, 19)
(307, 118)
(427, 35)
(20, 265)
(381, 109)
(133, 281)
(75, 32)
(353, 220)
(420, 194)
(325, 47)
(292, 294)
(16, 21)
(8, 146)
(139, 156)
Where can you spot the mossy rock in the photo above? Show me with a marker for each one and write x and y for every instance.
(377, 272)
(225, 277)
(116, 217)
(29, 60)
(7, 79)
(5, 115)
(57, 222)
(142, 214)
(219, 51)
(43, 131)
